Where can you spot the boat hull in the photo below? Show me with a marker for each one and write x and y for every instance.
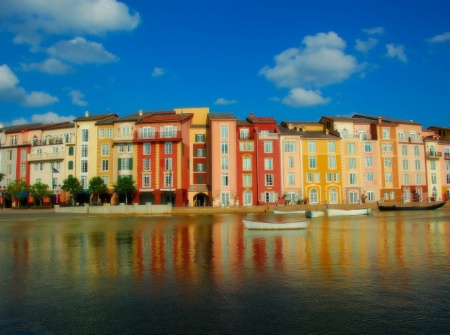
(277, 211)
(348, 212)
(314, 214)
(266, 225)
(410, 207)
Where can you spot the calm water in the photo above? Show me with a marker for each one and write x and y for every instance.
(386, 273)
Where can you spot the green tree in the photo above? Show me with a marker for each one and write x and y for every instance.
(18, 190)
(40, 191)
(1, 176)
(72, 186)
(124, 185)
(97, 186)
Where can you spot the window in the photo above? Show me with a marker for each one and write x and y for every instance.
(84, 135)
(388, 177)
(200, 152)
(121, 148)
(105, 180)
(268, 163)
(290, 162)
(386, 133)
(433, 165)
(352, 178)
(291, 178)
(71, 151)
(418, 179)
(404, 150)
(109, 133)
(105, 165)
(225, 179)
(224, 147)
(331, 146)
(314, 196)
(224, 161)
(309, 178)
(368, 146)
(105, 149)
(70, 165)
(329, 177)
(246, 163)
(370, 195)
(146, 164)
(331, 162)
(200, 137)
(401, 135)
(369, 161)
(352, 163)
(223, 131)
(200, 167)
(388, 162)
(405, 164)
(84, 182)
(311, 146)
(316, 177)
(168, 163)
(353, 197)
(125, 163)
(433, 178)
(289, 146)
(333, 196)
(146, 150)
(9, 169)
(312, 162)
(351, 148)
(84, 150)
(147, 132)
(146, 180)
(101, 133)
(362, 135)
(416, 151)
(13, 140)
(84, 165)
(405, 179)
(268, 147)
(244, 134)
(448, 179)
(247, 180)
(9, 155)
(23, 169)
(336, 176)
(225, 198)
(168, 148)
(23, 154)
(417, 164)
(269, 179)
(168, 179)
(369, 176)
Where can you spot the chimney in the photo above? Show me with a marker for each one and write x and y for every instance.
(327, 132)
(252, 115)
(380, 120)
(86, 113)
(141, 113)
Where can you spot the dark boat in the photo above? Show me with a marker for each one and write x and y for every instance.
(410, 207)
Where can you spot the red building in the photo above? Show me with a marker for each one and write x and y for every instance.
(162, 141)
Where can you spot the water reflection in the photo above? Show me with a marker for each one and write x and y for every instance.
(377, 265)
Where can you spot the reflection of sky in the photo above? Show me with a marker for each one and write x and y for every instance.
(189, 248)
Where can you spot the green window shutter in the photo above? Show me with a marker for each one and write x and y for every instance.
(119, 166)
(130, 164)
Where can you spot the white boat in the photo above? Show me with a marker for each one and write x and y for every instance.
(256, 224)
(279, 211)
(314, 214)
(346, 212)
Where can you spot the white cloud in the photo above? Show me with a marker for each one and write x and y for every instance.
(46, 118)
(223, 101)
(374, 31)
(321, 62)
(299, 97)
(37, 99)
(11, 92)
(50, 66)
(365, 46)
(396, 51)
(440, 38)
(158, 72)
(77, 98)
(80, 51)
(30, 19)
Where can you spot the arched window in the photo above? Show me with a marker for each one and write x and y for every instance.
(333, 196)
(313, 197)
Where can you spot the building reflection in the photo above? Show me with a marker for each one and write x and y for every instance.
(218, 248)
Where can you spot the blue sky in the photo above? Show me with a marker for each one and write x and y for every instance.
(290, 59)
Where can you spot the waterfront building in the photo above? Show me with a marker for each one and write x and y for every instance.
(223, 153)
(199, 171)
(163, 157)
(86, 150)
(105, 153)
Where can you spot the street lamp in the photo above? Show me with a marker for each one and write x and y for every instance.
(56, 189)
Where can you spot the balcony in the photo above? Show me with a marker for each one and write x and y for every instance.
(123, 138)
(268, 136)
(416, 140)
(46, 156)
(434, 155)
(158, 136)
(447, 155)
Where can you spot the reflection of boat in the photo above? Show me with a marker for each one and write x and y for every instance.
(410, 207)
(299, 211)
(344, 212)
(256, 224)
(314, 214)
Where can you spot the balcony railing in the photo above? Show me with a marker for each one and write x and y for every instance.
(447, 155)
(434, 154)
(46, 156)
(417, 140)
(268, 136)
(158, 136)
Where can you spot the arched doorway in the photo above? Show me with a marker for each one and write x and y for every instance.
(146, 197)
(168, 197)
(200, 199)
